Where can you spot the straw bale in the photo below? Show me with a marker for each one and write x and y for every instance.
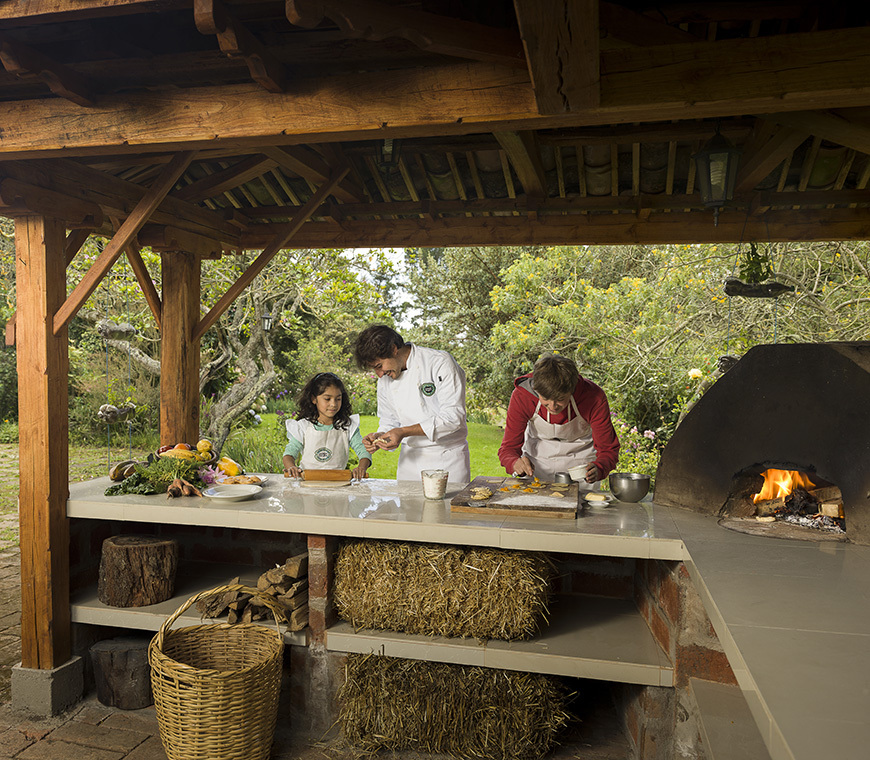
(458, 710)
(439, 590)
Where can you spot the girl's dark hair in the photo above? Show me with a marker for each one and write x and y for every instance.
(305, 408)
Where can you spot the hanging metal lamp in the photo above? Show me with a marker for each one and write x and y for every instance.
(716, 171)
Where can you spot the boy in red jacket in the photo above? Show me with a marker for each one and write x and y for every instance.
(557, 420)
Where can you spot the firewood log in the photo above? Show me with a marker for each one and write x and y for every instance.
(136, 571)
(122, 674)
(296, 567)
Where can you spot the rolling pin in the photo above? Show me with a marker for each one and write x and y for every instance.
(326, 475)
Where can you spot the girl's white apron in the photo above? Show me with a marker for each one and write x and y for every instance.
(325, 449)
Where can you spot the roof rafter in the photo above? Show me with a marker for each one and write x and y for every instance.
(522, 151)
(212, 17)
(756, 165)
(123, 237)
(307, 164)
(623, 24)
(22, 60)
(227, 179)
(371, 20)
(837, 126)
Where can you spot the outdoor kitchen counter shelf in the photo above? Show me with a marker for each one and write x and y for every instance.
(389, 509)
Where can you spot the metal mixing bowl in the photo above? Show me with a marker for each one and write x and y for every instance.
(629, 486)
(562, 477)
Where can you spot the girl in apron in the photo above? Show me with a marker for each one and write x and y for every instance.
(324, 431)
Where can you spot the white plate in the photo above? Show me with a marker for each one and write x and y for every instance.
(232, 492)
(592, 502)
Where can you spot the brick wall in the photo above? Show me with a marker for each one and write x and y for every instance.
(594, 575)
(672, 608)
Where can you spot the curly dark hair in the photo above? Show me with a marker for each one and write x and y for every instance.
(376, 342)
(305, 408)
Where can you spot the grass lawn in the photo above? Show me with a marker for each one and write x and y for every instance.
(87, 462)
(265, 449)
(483, 442)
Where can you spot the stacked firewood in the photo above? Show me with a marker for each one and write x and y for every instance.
(287, 584)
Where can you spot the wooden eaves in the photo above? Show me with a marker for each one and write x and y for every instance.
(201, 127)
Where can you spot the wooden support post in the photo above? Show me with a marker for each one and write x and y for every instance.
(43, 425)
(179, 350)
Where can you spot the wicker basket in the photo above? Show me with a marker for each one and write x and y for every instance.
(216, 686)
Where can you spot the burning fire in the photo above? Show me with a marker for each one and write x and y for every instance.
(780, 483)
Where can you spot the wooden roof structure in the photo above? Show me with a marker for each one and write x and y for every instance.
(205, 126)
(499, 121)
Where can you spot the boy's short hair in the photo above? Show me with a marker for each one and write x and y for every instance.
(375, 342)
(555, 377)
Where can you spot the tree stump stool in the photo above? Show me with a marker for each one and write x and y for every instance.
(121, 672)
(137, 570)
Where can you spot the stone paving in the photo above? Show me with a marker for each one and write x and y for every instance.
(92, 731)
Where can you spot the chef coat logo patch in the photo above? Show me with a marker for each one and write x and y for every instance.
(323, 454)
(427, 389)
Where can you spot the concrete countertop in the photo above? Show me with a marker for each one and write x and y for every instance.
(396, 510)
(792, 616)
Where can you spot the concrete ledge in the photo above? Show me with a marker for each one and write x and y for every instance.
(47, 692)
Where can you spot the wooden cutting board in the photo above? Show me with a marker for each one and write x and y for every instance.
(540, 502)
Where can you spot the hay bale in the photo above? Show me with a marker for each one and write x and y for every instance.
(441, 590)
(459, 710)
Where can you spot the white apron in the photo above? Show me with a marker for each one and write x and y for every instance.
(324, 449)
(418, 452)
(412, 460)
(553, 448)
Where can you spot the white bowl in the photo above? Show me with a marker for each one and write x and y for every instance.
(578, 473)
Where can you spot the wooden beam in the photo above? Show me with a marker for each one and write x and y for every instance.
(22, 60)
(560, 38)
(227, 179)
(699, 80)
(305, 163)
(600, 229)
(834, 126)
(523, 205)
(179, 352)
(212, 17)
(43, 444)
(522, 150)
(163, 237)
(54, 11)
(146, 284)
(755, 166)
(370, 20)
(150, 201)
(116, 197)
(19, 198)
(276, 244)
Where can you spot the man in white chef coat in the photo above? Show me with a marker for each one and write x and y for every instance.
(421, 404)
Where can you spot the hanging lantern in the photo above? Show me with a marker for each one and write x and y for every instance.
(716, 170)
(267, 321)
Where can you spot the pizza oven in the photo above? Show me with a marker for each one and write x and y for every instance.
(780, 445)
